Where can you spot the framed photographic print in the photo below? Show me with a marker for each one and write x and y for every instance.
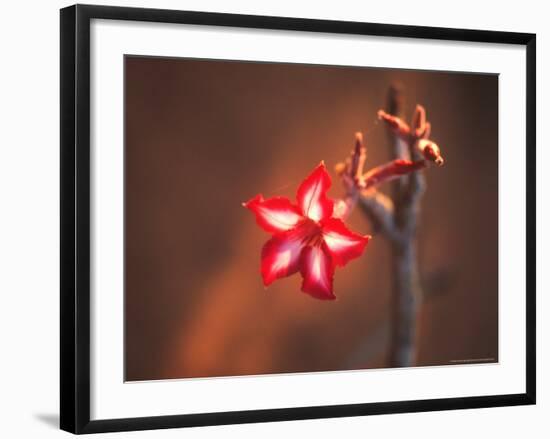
(268, 218)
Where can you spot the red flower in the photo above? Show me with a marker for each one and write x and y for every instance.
(307, 238)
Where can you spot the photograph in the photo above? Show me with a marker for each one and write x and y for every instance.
(263, 219)
(284, 218)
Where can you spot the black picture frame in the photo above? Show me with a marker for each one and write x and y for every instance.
(75, 217)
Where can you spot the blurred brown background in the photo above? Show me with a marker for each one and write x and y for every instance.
(204, 136)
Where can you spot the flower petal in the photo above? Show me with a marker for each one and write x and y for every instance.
(317, 271)
(275, 214)
(281, 255)
(312, 195)
(342, 244)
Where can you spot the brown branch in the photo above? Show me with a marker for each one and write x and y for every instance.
(406, 292)
(379, 209)
(390, 171)
(360, 186)
(395, 218)
(350, 173)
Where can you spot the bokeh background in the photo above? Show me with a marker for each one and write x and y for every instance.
(203, 136)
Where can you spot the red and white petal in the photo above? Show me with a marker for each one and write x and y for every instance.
(312, 195)
(342, 244)
(317, 271)
(281, 255)
(275, 214)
